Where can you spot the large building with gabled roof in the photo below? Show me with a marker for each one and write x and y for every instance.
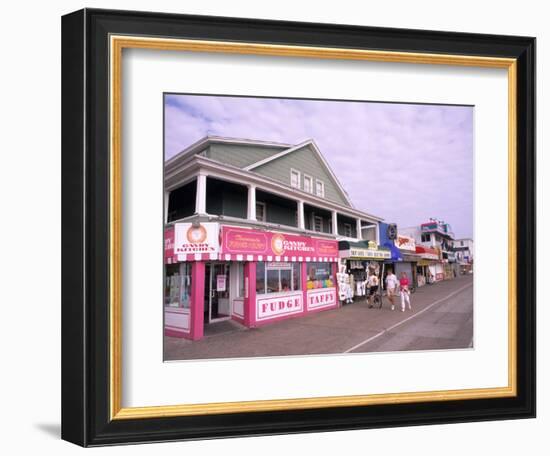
(251, 233)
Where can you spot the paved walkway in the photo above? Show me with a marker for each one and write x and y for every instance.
(442, 318)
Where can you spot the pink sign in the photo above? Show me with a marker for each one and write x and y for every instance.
(322, 297)
(247, 242)
(287, 304)
(221, 282)
(169, 245)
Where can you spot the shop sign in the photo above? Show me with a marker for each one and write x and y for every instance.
(365, 253)
(405, 243)
(427, 253)
(430, 256)
(278, 306)
(244, 241)
(278, 265)
(221, 282)
(169, 244)
(324, 297)
(192, 238)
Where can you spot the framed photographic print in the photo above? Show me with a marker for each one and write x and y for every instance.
(277, 227)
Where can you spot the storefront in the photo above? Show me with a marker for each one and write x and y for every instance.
(254, 277)
(404, 258)
(452, 268)
(359, 260)
(429, 268)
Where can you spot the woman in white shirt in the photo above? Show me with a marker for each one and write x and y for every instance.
(391, 287)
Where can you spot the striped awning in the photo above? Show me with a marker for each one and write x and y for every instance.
(250, 257)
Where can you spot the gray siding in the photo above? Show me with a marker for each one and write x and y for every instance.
(240, 155)
(303, 160)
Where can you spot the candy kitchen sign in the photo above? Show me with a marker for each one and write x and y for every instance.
(195, 238)
(405, 243)
(241, 241)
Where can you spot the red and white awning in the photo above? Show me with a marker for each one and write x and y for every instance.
(252, 257)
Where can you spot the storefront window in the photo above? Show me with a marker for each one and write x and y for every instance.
(260, 277)
(319, 275)
(177, 289)
(272, 277)
(240, 280)
(277, 277)
(296, 276)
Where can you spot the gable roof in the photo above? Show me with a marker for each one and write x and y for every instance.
(317, 152)
(201, 144)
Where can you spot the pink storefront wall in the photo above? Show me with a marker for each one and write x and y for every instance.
(196, 317)
(263, 245)
(289, 305)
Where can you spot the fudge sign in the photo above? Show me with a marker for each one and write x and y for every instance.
(268, 308)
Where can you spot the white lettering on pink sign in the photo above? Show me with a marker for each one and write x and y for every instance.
(267, 308)
(323, 297)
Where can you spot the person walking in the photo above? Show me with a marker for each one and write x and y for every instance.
(372, 284)
(405, 291)
(391, 287)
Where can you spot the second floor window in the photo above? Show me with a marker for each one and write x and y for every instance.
(347, 230)
(425, 238)
(294, 178)
(318, 224)
(260, 212)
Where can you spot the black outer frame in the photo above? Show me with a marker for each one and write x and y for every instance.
(85, 227)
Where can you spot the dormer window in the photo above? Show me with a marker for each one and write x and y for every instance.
(320, 188)
(294, 178)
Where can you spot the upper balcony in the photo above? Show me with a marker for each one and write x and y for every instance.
(237, 202)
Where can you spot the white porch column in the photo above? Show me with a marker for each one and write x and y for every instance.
(251, 208)
(377, 232)
(334, 223)
(301, 220)
(166, 201)
(359, 231)
(200, 203)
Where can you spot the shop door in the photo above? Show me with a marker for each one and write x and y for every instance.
(217, 305)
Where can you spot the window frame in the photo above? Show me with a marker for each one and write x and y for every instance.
(348, 225)
(295, 273)
(311, 180)
(264, 206)
(295, 171)
(315, 218)
(322, 193)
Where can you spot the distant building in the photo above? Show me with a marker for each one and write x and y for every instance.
(437, 235)
(464, 249)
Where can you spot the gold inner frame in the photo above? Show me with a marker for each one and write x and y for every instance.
(117, 44)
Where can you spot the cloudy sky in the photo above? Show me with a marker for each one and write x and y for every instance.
(403, 162)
